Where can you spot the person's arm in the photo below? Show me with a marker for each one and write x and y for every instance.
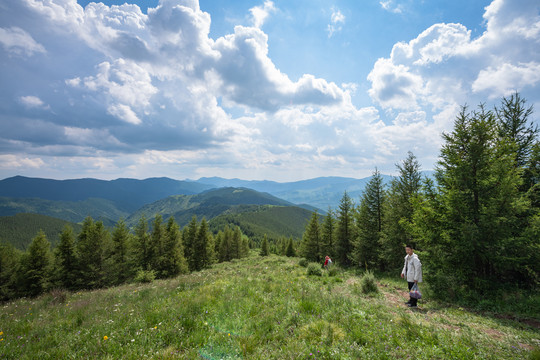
(404, 267)
(417, 269)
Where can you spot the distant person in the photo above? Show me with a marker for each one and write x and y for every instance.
(327, 262)
(412, 271)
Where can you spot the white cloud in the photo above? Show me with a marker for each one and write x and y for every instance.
(336, 19)
(259, 14)
(124, 112)
(8, 161)
(17, 41)
(504, 79)
(31, 101)
(389, 5)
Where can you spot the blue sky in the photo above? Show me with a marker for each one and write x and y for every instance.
(276, 90)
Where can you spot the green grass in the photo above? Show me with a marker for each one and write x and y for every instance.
(254, 308)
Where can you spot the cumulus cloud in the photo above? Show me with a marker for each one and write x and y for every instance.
(259, 14)
(443, 63)
(31, 101)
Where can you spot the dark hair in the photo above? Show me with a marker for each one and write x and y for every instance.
(409, 246)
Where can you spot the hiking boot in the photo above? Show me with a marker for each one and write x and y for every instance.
(411, 305)
(407, 302)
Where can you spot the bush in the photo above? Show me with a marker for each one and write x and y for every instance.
(145, 276)
(368, 284)
(303, 262)
(314, 269)
(333, 271)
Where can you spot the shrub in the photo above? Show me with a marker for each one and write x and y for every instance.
(303, 262)
(314, 269)
(368, 284)
(145, 276)
(333, 271)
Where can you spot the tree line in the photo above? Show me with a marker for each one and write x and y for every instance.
(476, 222)
(97, 257)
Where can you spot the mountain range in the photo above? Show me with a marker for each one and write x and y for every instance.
(258, 207)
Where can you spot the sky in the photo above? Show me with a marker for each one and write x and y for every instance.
(257, 90)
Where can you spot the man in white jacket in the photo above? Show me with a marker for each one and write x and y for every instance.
(412, 271)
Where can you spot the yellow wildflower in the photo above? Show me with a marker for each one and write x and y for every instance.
(1, 333)
(105, 337)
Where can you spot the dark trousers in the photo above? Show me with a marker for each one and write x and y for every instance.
(412, 301)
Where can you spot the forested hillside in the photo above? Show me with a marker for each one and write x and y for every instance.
(19, 229)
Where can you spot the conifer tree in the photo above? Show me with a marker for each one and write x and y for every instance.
(327, 235)
(290, 248)
(344, 230)
(224, 238)
(142, 248)
(398, 212)
(37, 265)
(92, 249)
(173, 262)
(66, 259)
(311, 242)
(189, 236)
(369, 223)
(203, 247)
(9, 267)
(122, 267)
(156, 246)
(265, 250)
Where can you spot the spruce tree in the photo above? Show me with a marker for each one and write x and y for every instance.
(173, 261)
(189, 236)
(327, 235)
(344, 230)
(398, 212)
(9, 267)
(92, 251)
(142, 245)
(290, 248)
(66, 260)
(37, 265)
(120, 256)
(311, 242)
(265, 250)
(156, 246)
(369, 224)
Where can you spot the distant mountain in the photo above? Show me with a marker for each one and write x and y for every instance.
(207, 204)
(72, 211)
(20, 229)
(321, 193)
(127, 194)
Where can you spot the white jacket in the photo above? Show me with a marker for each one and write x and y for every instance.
(412, 269)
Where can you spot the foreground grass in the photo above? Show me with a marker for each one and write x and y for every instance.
(255, 308)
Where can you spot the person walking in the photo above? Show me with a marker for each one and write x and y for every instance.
(412, 272)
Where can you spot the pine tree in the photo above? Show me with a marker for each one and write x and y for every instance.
(475, 210)
(37, 265)
(327, 235)
(290, 249)
(398, 212)
(311, 242)
(189, 236)
(513, 120)
(369, 223)
(203, 247)
(142, 248)
(265, 251)
(156, 246)
(9, 267)
(122, 267)
(173, 260)
(92, 248)
(66, 260)
(344, 230)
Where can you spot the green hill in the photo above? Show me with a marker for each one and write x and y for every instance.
(256, 308)
(20, 229)
(256, 221)
(72, 211)
(209, 204)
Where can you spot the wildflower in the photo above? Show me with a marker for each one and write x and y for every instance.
(155, 327)
(229, 334)
(1, 333)
(105, 337)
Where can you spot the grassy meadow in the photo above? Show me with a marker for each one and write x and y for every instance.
(256, 308)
